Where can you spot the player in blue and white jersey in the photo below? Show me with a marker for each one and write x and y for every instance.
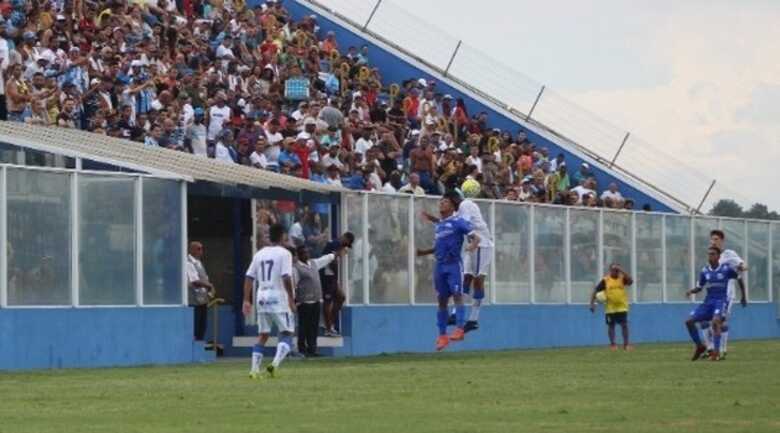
(731, 258)
(451, 231)
(271, 271)
(715, 278)
(476, 264)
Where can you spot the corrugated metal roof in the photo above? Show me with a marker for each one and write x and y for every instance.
(154, 160)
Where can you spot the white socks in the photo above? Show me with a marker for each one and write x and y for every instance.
(257, 359)
(724, 340)
(474, 314)
(282, 349)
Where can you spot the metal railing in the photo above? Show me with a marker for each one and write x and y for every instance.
(646, 165)
(548, 254)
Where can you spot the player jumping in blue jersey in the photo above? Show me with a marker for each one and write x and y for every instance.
(715, 278)
(448, 273)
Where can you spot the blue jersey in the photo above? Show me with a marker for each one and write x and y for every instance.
(450, 233)
(716, 281)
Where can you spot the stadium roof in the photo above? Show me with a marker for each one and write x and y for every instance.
(154, 160)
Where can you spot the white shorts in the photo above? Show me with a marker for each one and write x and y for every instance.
(285, 322)
(477, 262)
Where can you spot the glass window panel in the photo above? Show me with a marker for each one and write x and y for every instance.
(701, 237)
(735, 236)
(617, 239)
(776, 263)
(513, 280)
(354, 210)
(701, 242)
(758, 261)
(39, 238)
(550, 278)
(585, 271)
(388, 234)
(678, 257)
(162, 242)
(649, 255)
(424, 292)
(107, 240)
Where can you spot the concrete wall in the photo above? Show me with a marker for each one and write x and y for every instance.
(375, 330)
(396, 70)
(34, 338)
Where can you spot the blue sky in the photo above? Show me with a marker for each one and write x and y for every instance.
(697, 80)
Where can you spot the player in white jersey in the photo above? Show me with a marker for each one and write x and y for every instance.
(476, 264)
(271, 272)
(731, 258)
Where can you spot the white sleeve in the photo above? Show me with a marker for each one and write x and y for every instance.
(192, 273)
(321, 262)
(286, 268)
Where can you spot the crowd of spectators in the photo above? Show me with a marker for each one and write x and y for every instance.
(239, 81)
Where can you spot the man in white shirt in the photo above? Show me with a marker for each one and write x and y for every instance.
(217, 116)
(612, 193)
(413, 187)
(271, 274)
(583, 190)
(221, 151)
(364, 143)
(5, 55)
(225, 52)
(196, 134)
(275, 139)
(199, 288)
(257, 158)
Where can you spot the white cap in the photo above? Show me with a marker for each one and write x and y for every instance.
(303, 136)
(136, 62)
(309, 121)
(422, 82)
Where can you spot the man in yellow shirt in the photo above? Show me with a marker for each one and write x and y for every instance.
(614, 286)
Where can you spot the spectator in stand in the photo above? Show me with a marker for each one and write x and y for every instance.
(613, 194)
(582, 174)
(178, 74)
(413, 187)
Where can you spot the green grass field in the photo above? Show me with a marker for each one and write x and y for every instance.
(653, 389)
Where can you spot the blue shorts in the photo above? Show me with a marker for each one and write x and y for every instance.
(709, 309)
(448, 279)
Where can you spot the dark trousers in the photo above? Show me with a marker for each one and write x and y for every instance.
(308, 325)
(201, 320)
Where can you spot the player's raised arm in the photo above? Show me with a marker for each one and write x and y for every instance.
(429, 217)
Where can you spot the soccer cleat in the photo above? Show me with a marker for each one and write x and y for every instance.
(451, 320)
(254, 375)
(723, 356)
(458, 334)
(471, 325)
(698, 352)
(628, 348)
(441, 342)
(271, 370)
(714, 356)
(613, 347)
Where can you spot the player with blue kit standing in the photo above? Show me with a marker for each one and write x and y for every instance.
(448, 272)
(715, 278)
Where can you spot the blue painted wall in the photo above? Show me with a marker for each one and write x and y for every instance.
(395, 70)
(97, 337)
(375, 330)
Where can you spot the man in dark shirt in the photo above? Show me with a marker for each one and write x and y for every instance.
(332, 295)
